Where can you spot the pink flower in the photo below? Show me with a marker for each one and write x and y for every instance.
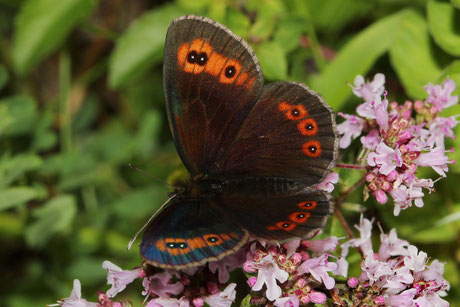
(439, 129)
(168, 302)
(317, 297)
(436, 158)
(328, 183)
(369, 90)
(290, 301)
(224, 298)
(119, 278)
(391, 245)
(161, 284)
(324, 246)
(252, 281)
(269, 273)
(75, 299)
(352, 282)
(435, 271)
(364, 242)
(385, 157)
(227, 264)
(440, 95)
(373, 269)
(318, 268)
(350, 128)
(371, 140)
(399, 280)
(404, 299)
(416, 261)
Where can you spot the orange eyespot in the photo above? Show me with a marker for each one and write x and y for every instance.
(307, 205)
(299, 217)
(173, 246)
(312, 149)
(308, 127)
(292, 112)
(212, 239)
(288, 226)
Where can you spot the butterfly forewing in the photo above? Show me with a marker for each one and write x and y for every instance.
(211, 79)
(289, 133)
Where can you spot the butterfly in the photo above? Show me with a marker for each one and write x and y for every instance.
(254, 152)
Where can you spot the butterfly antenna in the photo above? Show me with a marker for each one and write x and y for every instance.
(148, 222)
(149, 175)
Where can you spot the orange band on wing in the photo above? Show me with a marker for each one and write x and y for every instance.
(227, 70)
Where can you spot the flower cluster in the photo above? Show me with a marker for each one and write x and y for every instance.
(400, 138)
(291, 274)
(397, 275)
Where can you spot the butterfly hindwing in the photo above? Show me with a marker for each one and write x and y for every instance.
(280, 216)
(289, 133)
(189, 233)
(211, 79)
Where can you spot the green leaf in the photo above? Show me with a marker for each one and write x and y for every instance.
(443, 22)
(412, 57)
(455, 3)
(12, 168)
(237, 21)
(3, 76)
(272, 58)
(356, 58)
(41, 27)
(20, 115)
(288, 32)
(53, 217)
(434, 234)
(333, 15)
(141, 46)
(15, 196)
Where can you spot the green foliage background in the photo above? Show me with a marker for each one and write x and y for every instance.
(81, 97)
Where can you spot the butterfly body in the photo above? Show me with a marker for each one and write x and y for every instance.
(254, 151)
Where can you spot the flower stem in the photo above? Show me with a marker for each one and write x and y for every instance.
(344, 223)
(338, 204)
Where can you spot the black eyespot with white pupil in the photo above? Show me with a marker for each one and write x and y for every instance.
(192, 57)
(310, 127)
(171, 245)
(230, 71)
(213, 239)
(301, 215)
(295, 112)
(312, 149)
(202, 59)
(285, 225)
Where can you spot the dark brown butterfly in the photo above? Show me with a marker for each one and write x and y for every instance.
(254, 151)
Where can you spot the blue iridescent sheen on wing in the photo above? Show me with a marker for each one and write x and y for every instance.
(189, 233)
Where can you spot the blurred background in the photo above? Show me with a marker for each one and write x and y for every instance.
(81, 97)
